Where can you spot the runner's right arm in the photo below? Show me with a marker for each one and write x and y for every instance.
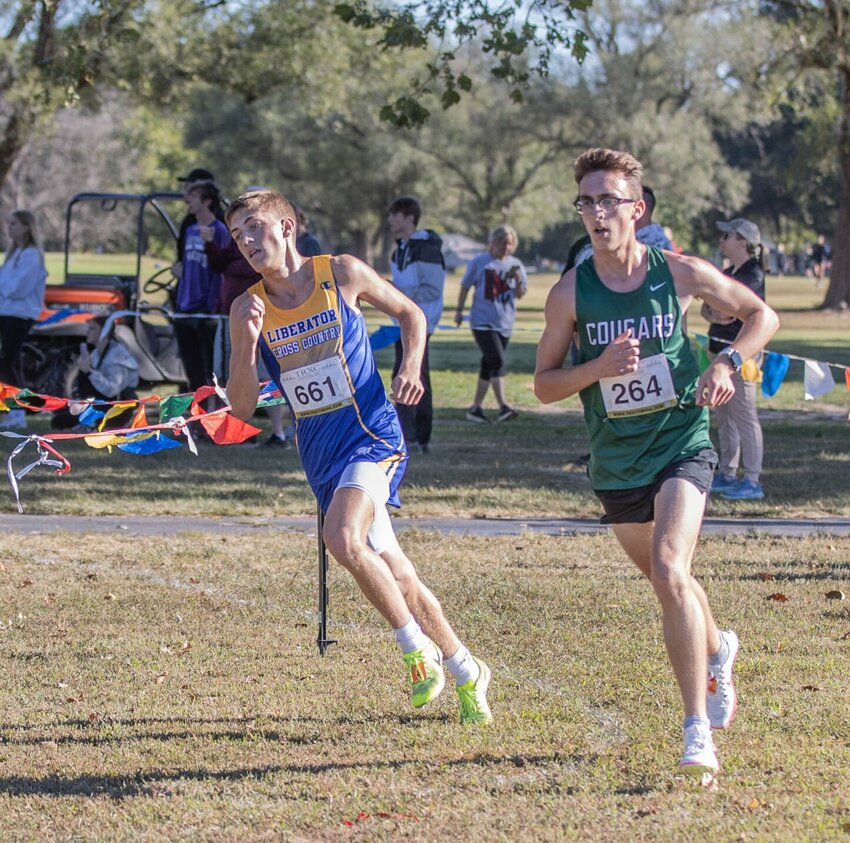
(243, 384)
(552, 382)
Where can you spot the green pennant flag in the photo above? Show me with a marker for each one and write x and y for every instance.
(174, 406)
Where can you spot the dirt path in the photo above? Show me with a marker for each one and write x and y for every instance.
(170, 525)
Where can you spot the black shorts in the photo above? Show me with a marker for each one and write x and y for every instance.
(637, 505)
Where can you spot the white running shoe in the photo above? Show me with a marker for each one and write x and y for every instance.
(721, 699)
(699, 756)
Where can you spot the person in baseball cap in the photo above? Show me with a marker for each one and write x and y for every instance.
(745, 229)
(198, 174)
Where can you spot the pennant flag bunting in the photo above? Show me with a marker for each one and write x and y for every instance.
(90, 416)
(140, 419)
(384, 336)
(225, 429)
(773, 372)
(174, 406)
(750, 371)
(817, 380)
(113, 411)
(152, 444)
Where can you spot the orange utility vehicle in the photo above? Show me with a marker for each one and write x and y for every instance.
(119, 250)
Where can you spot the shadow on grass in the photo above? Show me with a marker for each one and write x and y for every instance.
(142, 783)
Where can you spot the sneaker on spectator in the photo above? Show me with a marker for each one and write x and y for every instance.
(722, 483)
(275, 441)
(507, 413)
(476, 414)
(745, 490)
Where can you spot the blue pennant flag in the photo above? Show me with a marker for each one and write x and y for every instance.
(773, 371)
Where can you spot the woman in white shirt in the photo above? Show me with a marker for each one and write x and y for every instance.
(22, 279)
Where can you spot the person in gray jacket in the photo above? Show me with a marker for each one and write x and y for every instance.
(419, 271)
(22, 279)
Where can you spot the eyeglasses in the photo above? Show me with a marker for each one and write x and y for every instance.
(606, 203)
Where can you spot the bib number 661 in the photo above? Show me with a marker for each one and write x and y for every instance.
(314, 392)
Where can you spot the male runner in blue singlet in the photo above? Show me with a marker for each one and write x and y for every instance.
(303, 318)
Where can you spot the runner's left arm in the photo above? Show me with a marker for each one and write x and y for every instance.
(696, 278)
(357, 281)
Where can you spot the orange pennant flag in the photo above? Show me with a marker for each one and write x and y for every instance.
(847, 376)
(140, 419)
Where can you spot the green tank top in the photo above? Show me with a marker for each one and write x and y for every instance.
(643, 421)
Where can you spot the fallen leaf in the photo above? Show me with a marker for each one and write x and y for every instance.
(93, 717)
(780, 647)
(845, 636)
(835, 595)
(812, 688)
(778, 596)
(109, 596)
(25, 584)
(764, 576)
(753, 804)
(91, 576)
(161, 678)
(76, 699)
(646, 812)
(186, 646)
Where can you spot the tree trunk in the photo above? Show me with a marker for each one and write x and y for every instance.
(12, 140)
(838, 293)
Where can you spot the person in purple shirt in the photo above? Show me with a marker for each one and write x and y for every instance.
(199, 286)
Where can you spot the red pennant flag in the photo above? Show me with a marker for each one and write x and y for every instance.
(201, 394)
(847, 377)
(225, 429)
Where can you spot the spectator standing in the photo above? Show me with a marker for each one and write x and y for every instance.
(819, 259)
(22, 281)
(199, 286)
(418, 271)
(499, 280)
(738, 430)
(306, 244)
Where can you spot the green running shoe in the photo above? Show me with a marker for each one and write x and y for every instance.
(473, 697)
(425, 671)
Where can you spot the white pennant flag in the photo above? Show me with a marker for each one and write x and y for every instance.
(817, 380)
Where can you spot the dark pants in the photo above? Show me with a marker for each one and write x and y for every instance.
(196, 341)
(416, 419)
(13, 332)
(492, 345)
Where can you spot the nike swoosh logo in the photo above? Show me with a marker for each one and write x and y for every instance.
(656, 287)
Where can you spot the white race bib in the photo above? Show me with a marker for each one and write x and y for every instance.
(647, 390)
(317, 388)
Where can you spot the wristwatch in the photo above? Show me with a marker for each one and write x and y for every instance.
(732, 358)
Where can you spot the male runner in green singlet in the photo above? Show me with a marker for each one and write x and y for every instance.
(645, 403)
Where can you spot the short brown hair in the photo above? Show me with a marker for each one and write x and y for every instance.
(207, 192)
(612, 160)
(261, 200)
(408, 206)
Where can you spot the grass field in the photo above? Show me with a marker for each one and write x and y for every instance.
(169, 689)
(527, 467)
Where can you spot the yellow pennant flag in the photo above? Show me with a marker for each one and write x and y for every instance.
(750, 371)
(102, 440)
(115, 410)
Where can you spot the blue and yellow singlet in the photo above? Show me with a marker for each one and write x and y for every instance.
(319, 356)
